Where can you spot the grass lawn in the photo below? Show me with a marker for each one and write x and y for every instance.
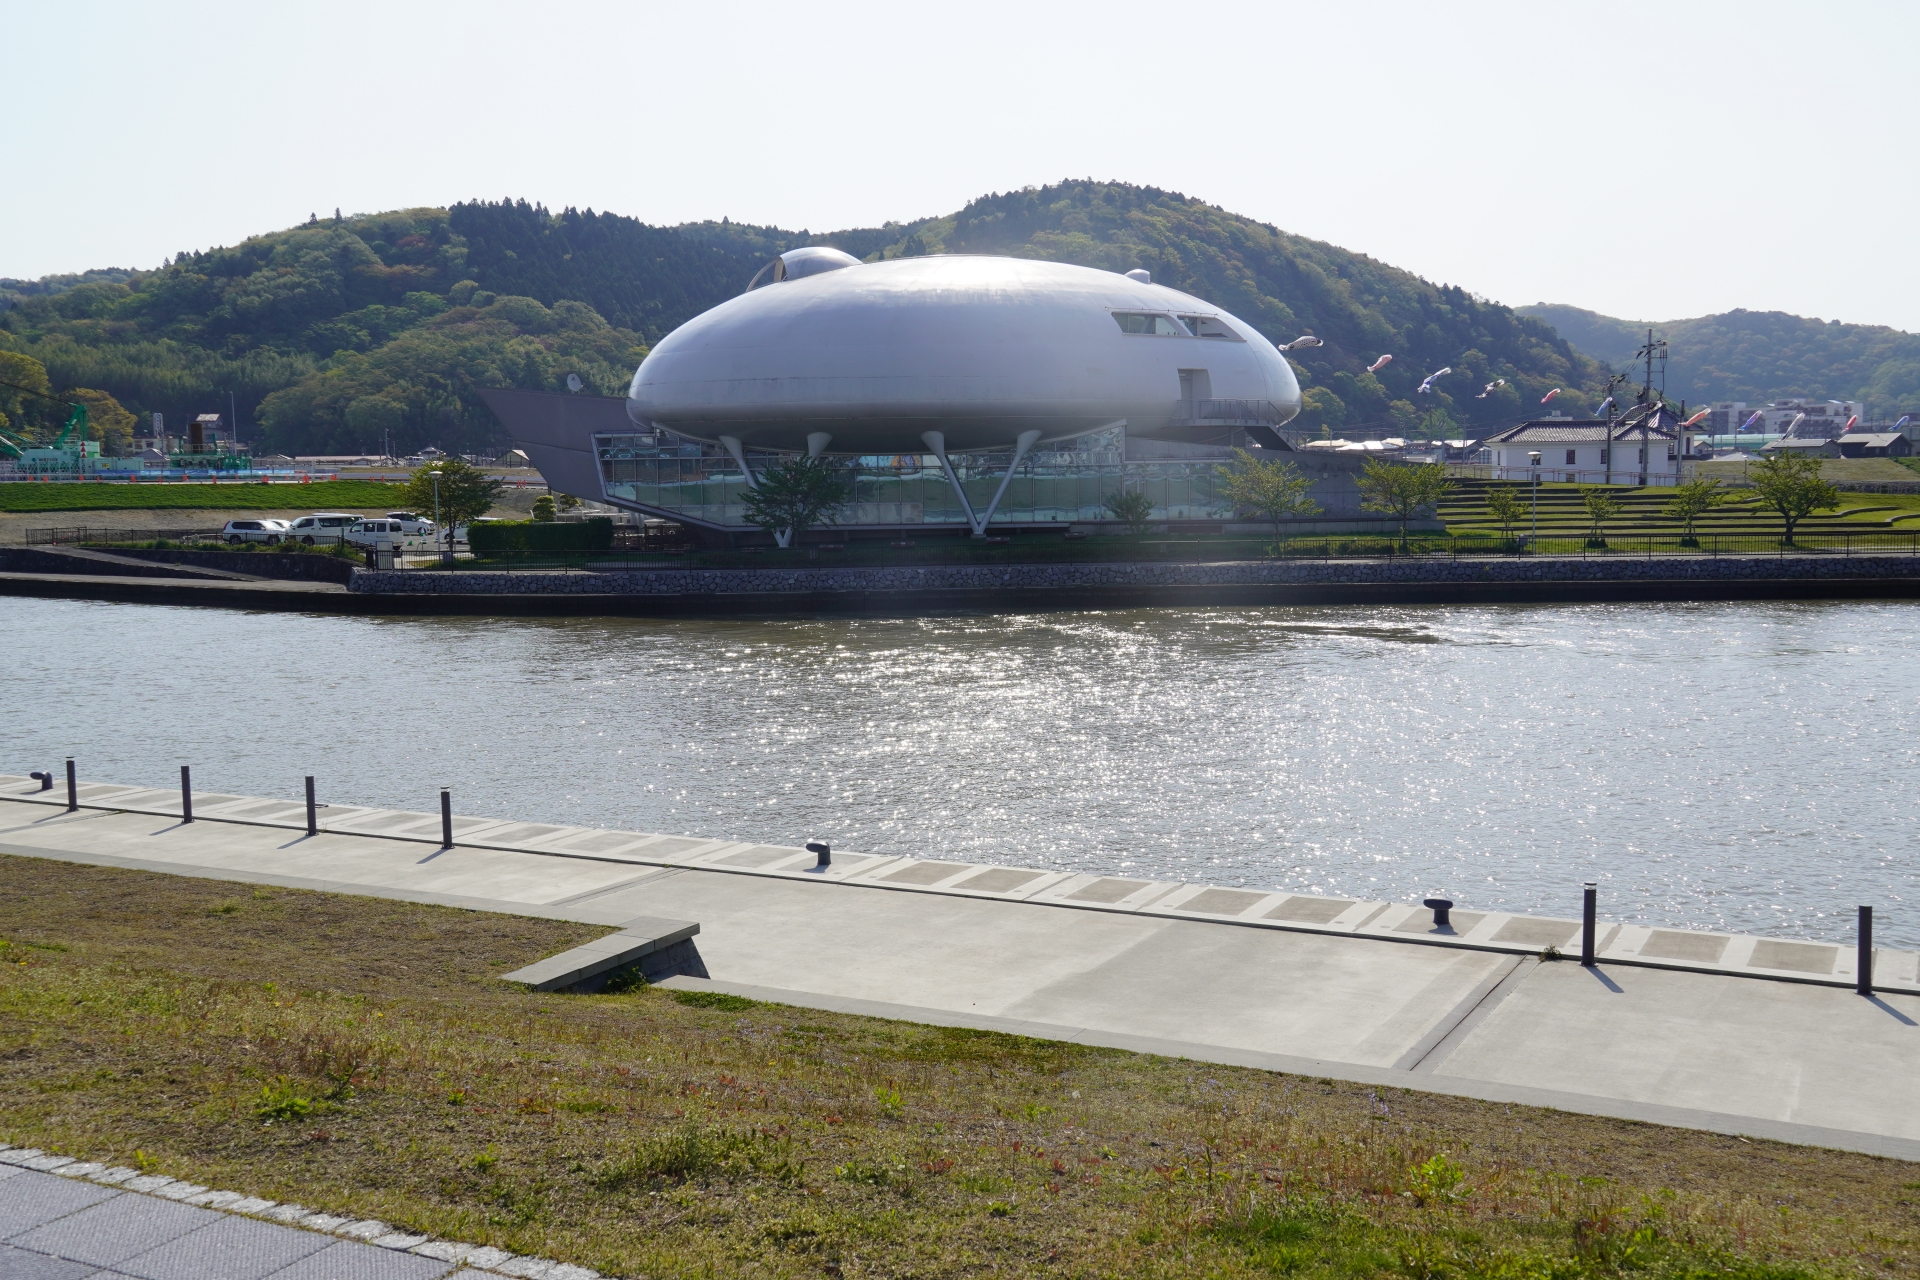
(357, 1055)
(320, 495)
(1859, 470)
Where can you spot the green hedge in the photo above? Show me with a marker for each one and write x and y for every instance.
(592, 534)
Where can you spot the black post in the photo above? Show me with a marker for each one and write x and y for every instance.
(446, 818)
(822, 854)
(73, 787)
(186, 794)
(313, 823)
(1863, 972)
(1586, 923)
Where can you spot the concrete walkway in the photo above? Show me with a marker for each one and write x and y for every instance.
(1734, 1034)
(54, 1228)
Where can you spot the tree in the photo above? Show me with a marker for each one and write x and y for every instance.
(1320, 407)
(1601, 506)
(566, 501)
(108, 422)
(1692, 500)
(543, 508)
(1400, 490)
(793, 496)
(1505, 507)
(466, 492)
(1793, 487)
(1133, 509)
(19, 375)
(1270, 486)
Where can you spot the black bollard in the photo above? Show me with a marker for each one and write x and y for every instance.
(1440, 907)
(822, 854)
(446, 818)
(44, 779)
(1586, 924)
(186, 794)
(73, 787)
(1863, 971)
(313, 821)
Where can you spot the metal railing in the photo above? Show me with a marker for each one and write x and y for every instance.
(947, 552)
(1263, 412)
(91, 533)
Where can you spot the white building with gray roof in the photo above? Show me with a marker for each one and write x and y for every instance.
(1641, 447)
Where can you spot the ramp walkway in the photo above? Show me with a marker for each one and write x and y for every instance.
(1736, 1034)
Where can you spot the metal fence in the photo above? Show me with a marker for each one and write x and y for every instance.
(941, 552)
(88, 533)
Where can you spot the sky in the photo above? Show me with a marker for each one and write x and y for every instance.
(1651, 161)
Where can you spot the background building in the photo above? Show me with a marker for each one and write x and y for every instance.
(1641, 447)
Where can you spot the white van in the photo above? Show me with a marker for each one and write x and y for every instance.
(321, 526)
(379, 531)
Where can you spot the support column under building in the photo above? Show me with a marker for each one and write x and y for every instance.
(937, 441)
(781, 537)
(977, 521)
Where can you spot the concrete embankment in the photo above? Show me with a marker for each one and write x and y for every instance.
(1737, 1034)
(1024, 587)
(142, 562)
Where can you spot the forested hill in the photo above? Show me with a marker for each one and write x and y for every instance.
(1286, 285)
(333, 334)
(1760, 355)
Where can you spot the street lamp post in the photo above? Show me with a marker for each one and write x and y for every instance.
(1533, 462)
(446, 555)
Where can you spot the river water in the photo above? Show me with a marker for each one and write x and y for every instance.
(1746, 767)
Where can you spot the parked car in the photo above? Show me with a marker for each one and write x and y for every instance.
(238, 531)
(322, 526)
(460, 530)
(414, 524)
(377, 531)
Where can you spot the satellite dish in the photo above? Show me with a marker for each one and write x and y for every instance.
(573, 382)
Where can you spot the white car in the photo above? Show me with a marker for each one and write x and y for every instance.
(321, 526)
(238, 531)
(460, 530)
(419, 526)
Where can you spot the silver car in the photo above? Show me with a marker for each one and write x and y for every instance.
(269, 531)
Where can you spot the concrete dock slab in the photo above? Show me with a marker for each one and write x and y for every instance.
(1763, 1036)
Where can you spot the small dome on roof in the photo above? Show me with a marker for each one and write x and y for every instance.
(795, 263)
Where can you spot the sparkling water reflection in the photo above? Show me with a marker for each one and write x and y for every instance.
(1746, 767)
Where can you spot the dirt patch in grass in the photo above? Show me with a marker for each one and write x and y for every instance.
(359, 1055)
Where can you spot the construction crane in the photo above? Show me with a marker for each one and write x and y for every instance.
(17, 446)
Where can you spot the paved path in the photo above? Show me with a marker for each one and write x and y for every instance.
(54, 1228)
(1735, 1034)
(61, 1219)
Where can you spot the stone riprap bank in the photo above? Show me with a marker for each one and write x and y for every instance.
(1383, 571)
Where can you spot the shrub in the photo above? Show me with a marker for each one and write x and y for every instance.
(592, 534)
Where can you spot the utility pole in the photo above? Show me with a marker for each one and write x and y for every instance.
(1651, 350)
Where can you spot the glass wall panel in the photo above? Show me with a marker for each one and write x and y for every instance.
(1062, 482)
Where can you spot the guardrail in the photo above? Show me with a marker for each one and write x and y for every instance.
(942, 552)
